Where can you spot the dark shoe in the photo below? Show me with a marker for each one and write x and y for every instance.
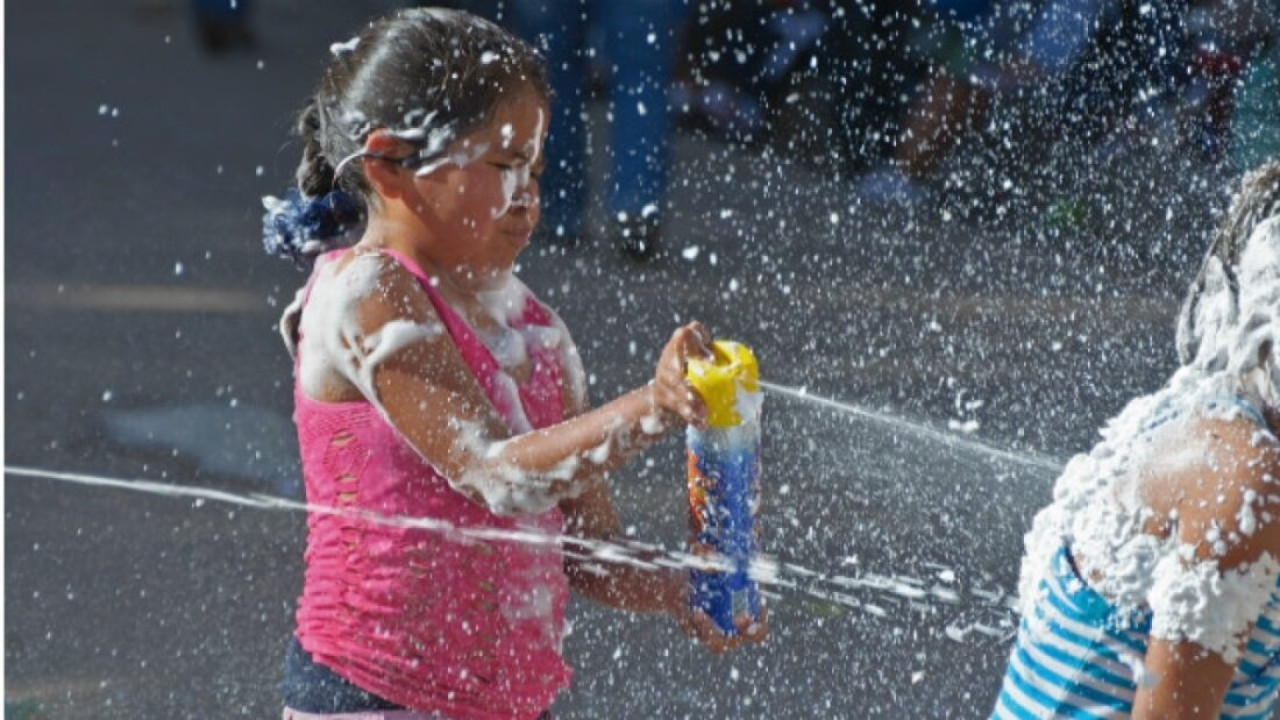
(640, 237)
(555, 237)
(221, 35)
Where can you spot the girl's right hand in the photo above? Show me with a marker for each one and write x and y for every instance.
(673, 396)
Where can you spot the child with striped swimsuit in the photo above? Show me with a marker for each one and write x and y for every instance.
(1151, 584)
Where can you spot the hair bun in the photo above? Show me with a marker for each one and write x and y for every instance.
(300, 229)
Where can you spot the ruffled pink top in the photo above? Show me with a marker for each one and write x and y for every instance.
(425, 619)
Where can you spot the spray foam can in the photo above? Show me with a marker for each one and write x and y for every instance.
(724, 484)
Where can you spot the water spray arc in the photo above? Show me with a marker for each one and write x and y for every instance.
(863, 592)
(769, 572)
(919, 429)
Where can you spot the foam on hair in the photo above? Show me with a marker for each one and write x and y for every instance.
(428, 75)
(1213, 302)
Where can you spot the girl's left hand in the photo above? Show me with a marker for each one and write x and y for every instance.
(697, 625)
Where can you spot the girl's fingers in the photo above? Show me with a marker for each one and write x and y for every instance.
(751, 630)
(708, 634)
(677, 396)
(704, 339)
(673, 391)
(697, 340)
(688, 409)
(697, 410)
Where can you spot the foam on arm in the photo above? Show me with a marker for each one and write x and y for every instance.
(370, 322)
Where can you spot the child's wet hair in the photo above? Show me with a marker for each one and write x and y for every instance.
(417, 72)
(1257, 200)
(428, 75)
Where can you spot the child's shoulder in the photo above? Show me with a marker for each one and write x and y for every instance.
(1253, 449)
(357, 268)
(1238, 483)
(360, 273)
(373, 285)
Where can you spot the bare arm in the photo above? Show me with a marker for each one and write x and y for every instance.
(593, 517)
(639, 587)
(642, 586)
(1186, 679)
(1186, 682)
(391, 347)
(635, 583)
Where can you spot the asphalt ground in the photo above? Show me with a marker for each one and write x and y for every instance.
(978, 340)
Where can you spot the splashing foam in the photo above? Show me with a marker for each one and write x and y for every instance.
(1097, 509)
(768, 571)
(334, 342)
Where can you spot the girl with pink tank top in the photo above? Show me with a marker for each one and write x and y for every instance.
(446, 440)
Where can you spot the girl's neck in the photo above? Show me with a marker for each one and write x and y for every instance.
(383, 234)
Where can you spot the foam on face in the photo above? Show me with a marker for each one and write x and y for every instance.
(516, 180)
(1258, 326)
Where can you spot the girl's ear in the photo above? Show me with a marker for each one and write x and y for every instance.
(382, 151)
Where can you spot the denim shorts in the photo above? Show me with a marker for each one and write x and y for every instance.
(310, 687)
(314, 692)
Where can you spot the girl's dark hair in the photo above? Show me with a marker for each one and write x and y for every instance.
(425, 74)
(1257, 200)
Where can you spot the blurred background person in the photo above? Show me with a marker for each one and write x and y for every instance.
(1084, 68)
(1232, 84)
(1255, 130)
(957, 44)
(740, 61)
(638, 40)
(222, 25)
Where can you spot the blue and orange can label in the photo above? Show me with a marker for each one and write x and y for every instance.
(724, 485)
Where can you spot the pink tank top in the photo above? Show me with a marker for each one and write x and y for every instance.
(467, 629)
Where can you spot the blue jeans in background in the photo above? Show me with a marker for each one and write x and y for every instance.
(638, 40)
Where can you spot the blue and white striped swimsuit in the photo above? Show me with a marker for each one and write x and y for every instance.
(1072, 658)
(1069, 658)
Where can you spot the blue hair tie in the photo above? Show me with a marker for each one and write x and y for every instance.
(299, 228)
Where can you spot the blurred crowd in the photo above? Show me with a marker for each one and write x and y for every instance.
(880, 92)
(886, 93)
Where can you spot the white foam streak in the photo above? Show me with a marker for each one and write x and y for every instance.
(919, 429)
(765, 570)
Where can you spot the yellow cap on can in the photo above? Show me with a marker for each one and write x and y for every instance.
(717, 380)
